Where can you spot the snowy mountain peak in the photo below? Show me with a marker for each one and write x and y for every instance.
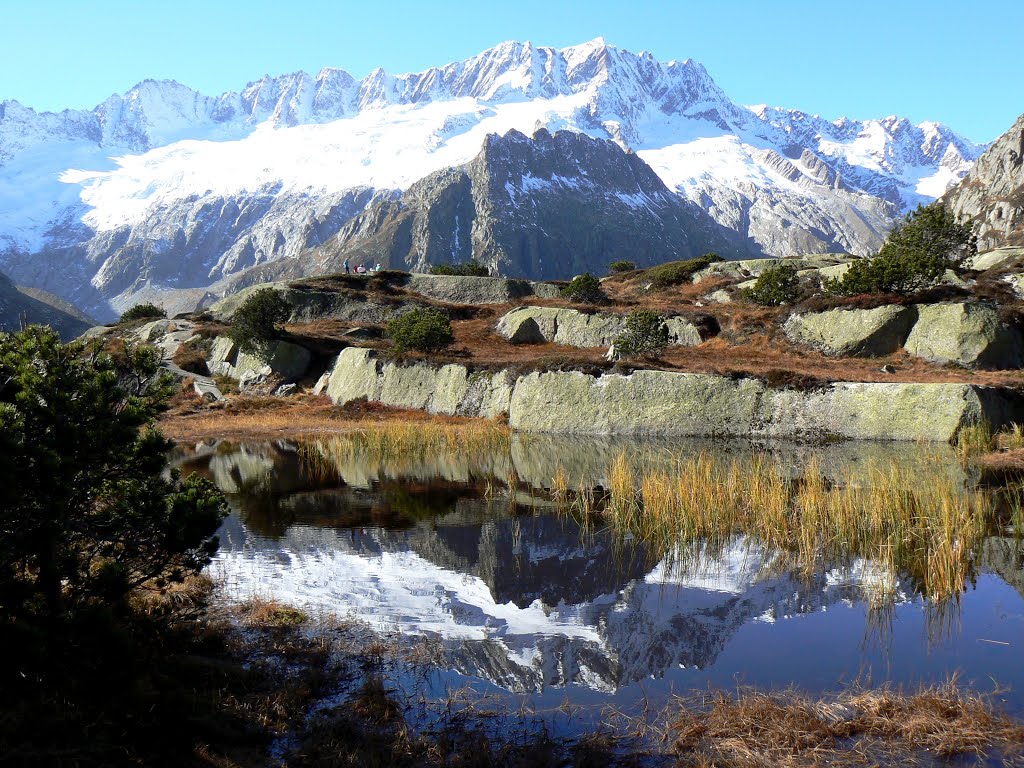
(259, 174)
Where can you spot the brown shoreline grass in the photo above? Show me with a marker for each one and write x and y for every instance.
(856, 727)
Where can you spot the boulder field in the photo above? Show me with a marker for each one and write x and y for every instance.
(673, 404)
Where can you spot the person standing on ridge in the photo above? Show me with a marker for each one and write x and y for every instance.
(346, 266)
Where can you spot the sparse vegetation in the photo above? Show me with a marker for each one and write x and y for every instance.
(645, 335)
(466, 269)
(676, 272)
(423, 329)
(192, 356)
(585, 289)
(777, 285)
(916, 254)
(257, 322)
(143, 312)
(621, 266)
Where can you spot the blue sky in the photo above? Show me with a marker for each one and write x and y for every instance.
(953, 62)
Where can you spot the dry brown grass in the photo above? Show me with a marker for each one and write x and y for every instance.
(859, 727)
(267, 417)
(270, 614)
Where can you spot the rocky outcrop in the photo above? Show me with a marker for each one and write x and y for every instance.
(991, 196)
(674, 404)
(311, 304)
(450, 389)
(282, 360)
(971, 335)
(457, 289)
(572, 328)
(856, 332)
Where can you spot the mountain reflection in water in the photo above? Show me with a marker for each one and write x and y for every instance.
(523, 597)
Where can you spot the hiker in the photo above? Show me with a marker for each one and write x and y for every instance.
(346, 267)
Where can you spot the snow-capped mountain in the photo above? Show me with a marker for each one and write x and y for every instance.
(164, 188)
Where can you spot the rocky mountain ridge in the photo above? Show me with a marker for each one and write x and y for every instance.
(991, 196)
(165, 188)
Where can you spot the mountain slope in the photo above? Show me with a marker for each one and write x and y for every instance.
(19, 304)
(540, 207)
(992, 194)
(163, 187)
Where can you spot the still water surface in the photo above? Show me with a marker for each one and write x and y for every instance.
(469, 551)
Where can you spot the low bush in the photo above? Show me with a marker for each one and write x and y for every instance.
(467, 269)
(621, 266)
(775, 286)
(916, 254)
(585, 289)
(676, 272)
(646, 335)
(143, 312)
(421, 329)
(256, 322)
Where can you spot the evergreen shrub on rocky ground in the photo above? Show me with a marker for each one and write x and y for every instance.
(423, 329)
(621, 266)
(256, 322)
(676, 272)
(467, 269)
(645, 335)
(916, 254)
(585, 289)
(145, 311)
(775, 286)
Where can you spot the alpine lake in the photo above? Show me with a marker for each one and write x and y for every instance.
(584, 580)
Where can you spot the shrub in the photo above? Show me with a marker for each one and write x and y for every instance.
(467, 269)
(255, 323)
(584, 288)
(645, 335)
(621, 266)
(916, 254)
(775, 286)
(422, 329)
(676, 272)
(143, 312)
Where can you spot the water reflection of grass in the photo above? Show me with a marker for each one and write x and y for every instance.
(927, 527)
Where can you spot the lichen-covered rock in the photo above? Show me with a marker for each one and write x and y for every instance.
(284, 359)
(856, 332)
(537, 325)
(665, 403)
(448, 389)
(152, 331)
(223, 350)
(457, 289)
(971, 335)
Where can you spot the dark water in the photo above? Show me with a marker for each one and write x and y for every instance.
(522, 600)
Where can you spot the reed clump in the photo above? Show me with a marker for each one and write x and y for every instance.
(883, 514)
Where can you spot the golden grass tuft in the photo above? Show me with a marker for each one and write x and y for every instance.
(929, 530)
(271, 614)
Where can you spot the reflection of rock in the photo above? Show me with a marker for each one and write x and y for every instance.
(537, 457)
(1005, 556)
